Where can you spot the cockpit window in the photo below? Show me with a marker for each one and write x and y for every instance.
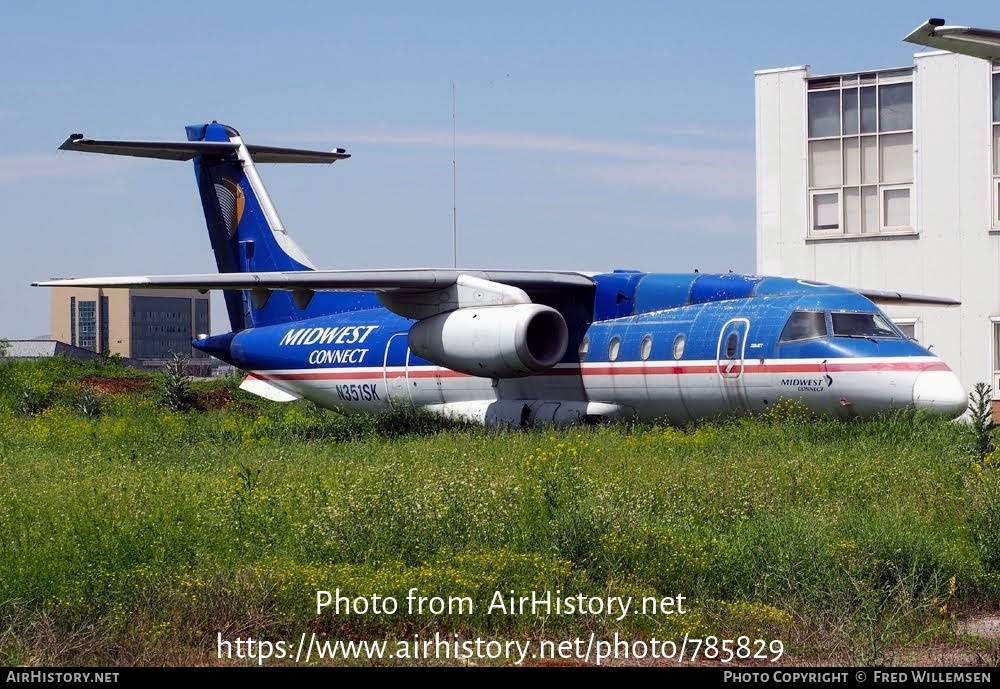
(804, 325)
(862, 325)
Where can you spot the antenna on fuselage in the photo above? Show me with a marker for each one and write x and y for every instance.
(454, 211)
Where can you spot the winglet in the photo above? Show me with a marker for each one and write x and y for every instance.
(965, 40)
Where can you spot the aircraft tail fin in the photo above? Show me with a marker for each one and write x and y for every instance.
(246, 234)
(245, 230)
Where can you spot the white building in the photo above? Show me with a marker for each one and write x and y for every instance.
(890, 180)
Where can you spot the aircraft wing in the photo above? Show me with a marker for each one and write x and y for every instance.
(933, 33)
(883, 297)
(416, 293)
(420, 279)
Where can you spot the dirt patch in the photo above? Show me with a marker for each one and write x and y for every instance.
(116, 386)
(983, 626)
(219, 398)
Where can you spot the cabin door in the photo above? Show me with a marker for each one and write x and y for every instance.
(729, 362)
(395, 367)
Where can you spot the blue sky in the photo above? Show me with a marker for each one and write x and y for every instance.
(590, 135)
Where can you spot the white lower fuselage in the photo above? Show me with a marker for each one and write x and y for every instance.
(671, 391)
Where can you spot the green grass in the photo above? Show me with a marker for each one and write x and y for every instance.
(136, 535)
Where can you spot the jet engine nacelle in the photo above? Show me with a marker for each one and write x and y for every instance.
(493, 341)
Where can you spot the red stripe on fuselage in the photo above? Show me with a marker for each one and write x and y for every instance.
(749, 368)
(630, 370)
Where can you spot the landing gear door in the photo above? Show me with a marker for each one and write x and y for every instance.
(731, 348)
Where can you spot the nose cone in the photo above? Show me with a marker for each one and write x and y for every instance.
(940, 392)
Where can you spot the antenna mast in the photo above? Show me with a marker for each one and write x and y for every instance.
(454, 215)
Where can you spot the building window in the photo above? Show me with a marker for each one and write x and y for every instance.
(105, 326)
(201, 324)
(996, 147)
(153, 340)
(907, 326)
(860, 154)
(995, 322)
(88, 325)
(72, 321)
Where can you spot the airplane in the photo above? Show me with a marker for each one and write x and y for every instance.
(520, 347)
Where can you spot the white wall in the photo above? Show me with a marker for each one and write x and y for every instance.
(953, 252)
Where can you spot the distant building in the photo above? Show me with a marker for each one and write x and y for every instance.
(146, 325)
(43, 349)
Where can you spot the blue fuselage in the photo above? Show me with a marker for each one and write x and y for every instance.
(676, 347)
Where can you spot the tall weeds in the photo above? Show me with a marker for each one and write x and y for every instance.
(140, 532)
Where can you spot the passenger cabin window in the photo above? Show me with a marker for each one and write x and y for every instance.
(646, 347)
(584, 348)
(679, 346)
(862, 325)
(804, 325)
(613, 348)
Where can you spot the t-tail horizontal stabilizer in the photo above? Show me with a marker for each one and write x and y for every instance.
(187, 150)
(243, 226)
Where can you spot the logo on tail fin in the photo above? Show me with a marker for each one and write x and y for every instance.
(231, 203)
